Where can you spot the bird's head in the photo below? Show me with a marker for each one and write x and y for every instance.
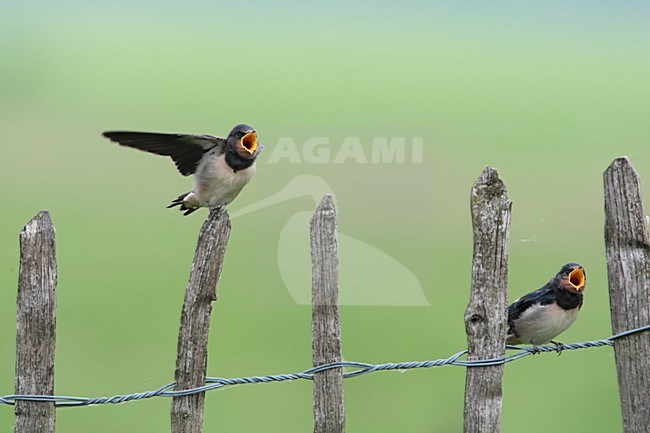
(572, 277)
(243, 139)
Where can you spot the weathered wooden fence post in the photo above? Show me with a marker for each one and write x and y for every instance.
(627, 247)
(36, 325)
(192, 356)
(329, 409)
(486, 314)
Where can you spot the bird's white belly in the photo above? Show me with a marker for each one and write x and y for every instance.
(216, 184)
(539, 324)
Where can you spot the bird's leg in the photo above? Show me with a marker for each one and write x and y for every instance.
(214, 210)
(559, 347)
(535, 349)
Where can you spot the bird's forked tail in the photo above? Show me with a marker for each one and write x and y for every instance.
(178, 201)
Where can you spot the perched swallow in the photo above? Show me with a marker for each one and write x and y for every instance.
(538, 317)
(221, 166)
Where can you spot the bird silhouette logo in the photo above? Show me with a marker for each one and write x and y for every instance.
(368, 275)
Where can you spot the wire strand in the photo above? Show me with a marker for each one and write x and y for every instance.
(354, 369)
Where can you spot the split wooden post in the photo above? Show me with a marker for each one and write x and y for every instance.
(329, 409)
(627, 247)
(192, 355)
(36, 325)
(486, 314)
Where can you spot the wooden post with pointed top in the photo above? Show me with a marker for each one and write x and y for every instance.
(192, 356)
(36, 325)
(627, 247)
(329, 409)
(486, 314)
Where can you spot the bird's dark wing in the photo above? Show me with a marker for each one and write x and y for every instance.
(185, 149)
(543, 296)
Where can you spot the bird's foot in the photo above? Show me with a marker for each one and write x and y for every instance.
(559, 347)
(214, 210)
(534, 349)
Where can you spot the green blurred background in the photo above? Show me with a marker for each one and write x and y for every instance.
(547, 94)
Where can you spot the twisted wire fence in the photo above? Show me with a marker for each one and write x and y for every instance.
(359, 369)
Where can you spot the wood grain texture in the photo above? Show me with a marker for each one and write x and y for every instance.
(627, 248)
(486, 314)
(36, 325)
(329, 408)
(192, 354)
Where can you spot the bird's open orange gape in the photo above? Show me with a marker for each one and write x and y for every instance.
(577, 278)
(249, 141)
